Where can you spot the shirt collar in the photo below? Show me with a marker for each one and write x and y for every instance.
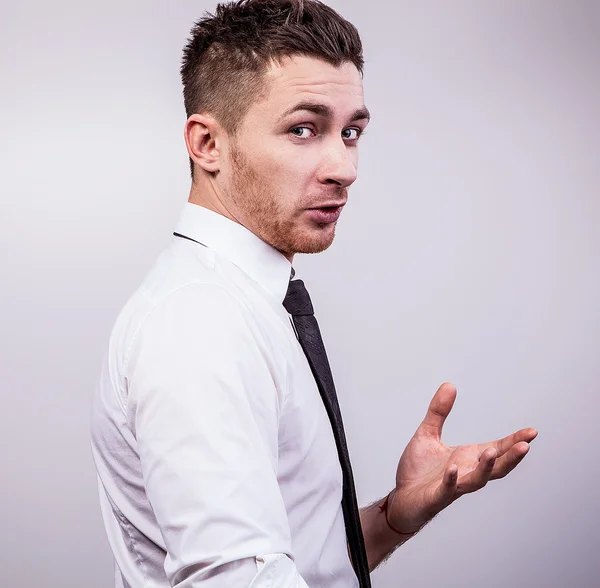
(256, 258)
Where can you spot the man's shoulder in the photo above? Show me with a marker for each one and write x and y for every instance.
(183, 307)
(179, 265)
(182, 287)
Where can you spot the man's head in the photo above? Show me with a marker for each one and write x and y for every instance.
(273, 94)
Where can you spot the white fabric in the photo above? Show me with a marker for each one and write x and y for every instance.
(216, 461)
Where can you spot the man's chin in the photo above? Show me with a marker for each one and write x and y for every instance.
(314, 242)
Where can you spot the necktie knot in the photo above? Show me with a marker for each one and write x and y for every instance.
(297, 301)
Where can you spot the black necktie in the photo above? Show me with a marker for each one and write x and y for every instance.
(297, 303)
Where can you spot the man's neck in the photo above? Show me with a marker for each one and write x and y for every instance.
(209, 199)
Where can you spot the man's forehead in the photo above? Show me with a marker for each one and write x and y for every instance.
(300, 75)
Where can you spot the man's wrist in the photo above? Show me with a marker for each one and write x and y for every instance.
(384, 509)
(381, 538)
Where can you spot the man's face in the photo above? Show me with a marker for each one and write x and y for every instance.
(295, 153)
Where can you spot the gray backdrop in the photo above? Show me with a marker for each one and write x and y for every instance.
(468, 253)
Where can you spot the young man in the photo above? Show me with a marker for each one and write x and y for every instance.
(219, 463)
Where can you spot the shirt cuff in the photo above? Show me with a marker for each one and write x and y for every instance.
(276, 570)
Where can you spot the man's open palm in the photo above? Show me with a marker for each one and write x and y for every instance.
(432, 475)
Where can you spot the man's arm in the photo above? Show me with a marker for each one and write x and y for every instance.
(203, 407)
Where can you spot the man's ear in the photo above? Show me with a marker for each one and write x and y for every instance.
(203, 139)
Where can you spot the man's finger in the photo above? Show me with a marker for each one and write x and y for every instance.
(480, 476)
(503, 445)
(446, 491)
(510, 460)
(439, 408)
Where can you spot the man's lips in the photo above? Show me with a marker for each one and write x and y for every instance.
(330, 205)
(326, 214)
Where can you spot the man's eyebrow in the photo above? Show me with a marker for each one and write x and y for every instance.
(324, 111)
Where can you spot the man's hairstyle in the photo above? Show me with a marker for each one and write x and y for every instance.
(229, 52)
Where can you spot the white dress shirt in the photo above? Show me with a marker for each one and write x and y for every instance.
(216, 461)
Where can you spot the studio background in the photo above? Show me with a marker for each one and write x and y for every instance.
(468, 252)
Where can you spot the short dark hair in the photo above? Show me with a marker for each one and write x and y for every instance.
(228, 52)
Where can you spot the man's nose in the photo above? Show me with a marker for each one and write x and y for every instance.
(340, 164)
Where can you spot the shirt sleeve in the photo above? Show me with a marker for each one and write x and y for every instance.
(203, 405)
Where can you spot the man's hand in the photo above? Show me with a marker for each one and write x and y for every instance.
(431, 475)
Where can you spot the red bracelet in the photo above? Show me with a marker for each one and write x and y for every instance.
(384, 507)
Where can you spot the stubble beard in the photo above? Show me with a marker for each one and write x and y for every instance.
(266, 217)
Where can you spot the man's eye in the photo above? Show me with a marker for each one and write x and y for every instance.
(300, 132)
(348, 134)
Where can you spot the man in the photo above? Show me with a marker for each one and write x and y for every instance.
(220, 454)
